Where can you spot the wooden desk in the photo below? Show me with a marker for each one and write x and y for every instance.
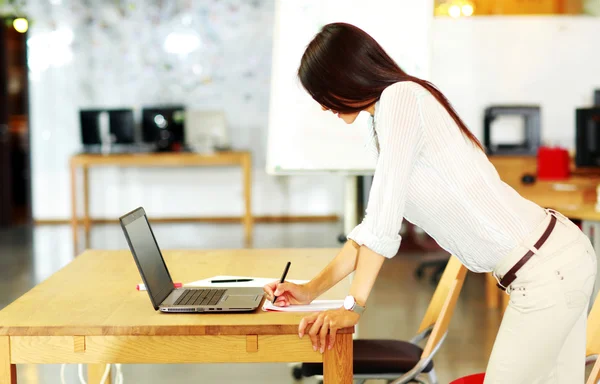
(575, 198)
(86, 161)
(578, 193)
(89, 312)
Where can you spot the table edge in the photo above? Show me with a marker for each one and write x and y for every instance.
(187, 330)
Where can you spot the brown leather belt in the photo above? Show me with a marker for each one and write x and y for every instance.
(511, 275)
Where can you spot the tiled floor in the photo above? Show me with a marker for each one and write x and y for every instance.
(396, 306)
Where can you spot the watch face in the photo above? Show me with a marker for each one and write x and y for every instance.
(348, 302)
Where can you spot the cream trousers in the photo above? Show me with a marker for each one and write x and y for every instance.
(542, 335)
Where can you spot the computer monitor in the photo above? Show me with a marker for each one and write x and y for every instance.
(512, 130)
(106, 127)
(206, 130)
(587, 139)
(90, 126)
(121, 126)
(164, 127)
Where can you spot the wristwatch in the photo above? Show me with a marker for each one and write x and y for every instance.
(350, 305)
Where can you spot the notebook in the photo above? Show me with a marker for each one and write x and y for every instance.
(315, 306)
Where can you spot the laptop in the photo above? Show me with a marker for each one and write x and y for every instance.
(156, 277)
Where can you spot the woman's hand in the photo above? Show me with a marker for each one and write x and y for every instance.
(326, 322)
(288, 293)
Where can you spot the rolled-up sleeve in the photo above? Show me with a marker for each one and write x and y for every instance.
(400, 134)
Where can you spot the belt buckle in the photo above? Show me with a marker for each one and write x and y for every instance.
(498, 284)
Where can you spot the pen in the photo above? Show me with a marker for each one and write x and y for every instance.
(232, 281)
(142, 287)
(285, 271)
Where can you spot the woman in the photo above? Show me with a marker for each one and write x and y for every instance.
(432, 170)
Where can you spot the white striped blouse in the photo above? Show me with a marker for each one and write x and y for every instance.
(431, 174)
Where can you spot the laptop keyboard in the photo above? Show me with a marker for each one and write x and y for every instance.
(200, 297)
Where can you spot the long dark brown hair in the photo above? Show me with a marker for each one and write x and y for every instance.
(345, 70)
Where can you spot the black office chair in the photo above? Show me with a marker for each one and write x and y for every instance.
(399, 361)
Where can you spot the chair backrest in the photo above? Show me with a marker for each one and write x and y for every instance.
(595, 374)
(442, 304)
(593, 330)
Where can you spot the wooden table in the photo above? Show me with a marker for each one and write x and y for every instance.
(89, 312)
(86, 161)
(575, 198)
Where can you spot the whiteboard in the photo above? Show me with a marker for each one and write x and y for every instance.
(303, 138)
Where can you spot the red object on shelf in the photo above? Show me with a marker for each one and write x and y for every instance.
(471, 379)
(553, 164)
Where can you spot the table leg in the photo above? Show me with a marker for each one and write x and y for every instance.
(248, 220)
(8, 371)
(491, 292)
(95, 373)
(337, 362)
(86, 205)
(74, 220)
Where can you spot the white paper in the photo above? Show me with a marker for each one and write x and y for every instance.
(315, 306)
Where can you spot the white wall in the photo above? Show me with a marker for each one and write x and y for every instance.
(105, 54)
(550, 61)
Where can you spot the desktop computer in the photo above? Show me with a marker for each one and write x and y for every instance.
(121, 126)
(107, 130)
(163, 127)
(587, 141)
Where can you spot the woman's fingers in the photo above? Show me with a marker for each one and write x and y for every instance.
(305, 322)
(281, 288)
(314, 331)
(332, 332)
(323, 334)
(323, 331)
(268, 291)
(282, 301)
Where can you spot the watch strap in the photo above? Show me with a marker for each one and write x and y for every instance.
(357, 308)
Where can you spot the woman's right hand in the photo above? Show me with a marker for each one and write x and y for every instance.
(288, 293)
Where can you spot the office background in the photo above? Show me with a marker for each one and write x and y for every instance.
(217, 54)
(222, 60)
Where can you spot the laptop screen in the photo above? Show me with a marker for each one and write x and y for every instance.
(148, 257)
